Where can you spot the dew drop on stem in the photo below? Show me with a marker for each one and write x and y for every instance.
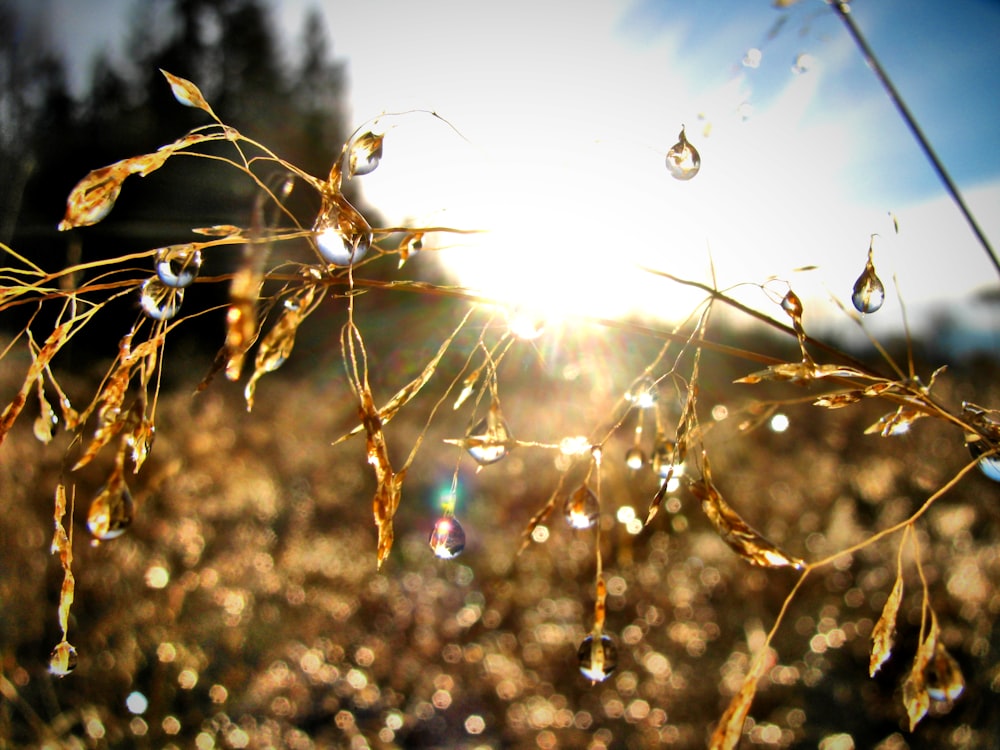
(635, 459)
(177, 266)
(989, 465)
(683, 159)
(598, 657)
(63, 659)
(869, 292)
(364, 154)
(158, 300)
(447, 539)
(339, 249)
(643, 393)
(490, 439)
(582, 509)
(664, 453)
(792, 305)
(988, 421)
(343, 236)
(111, 510)
(943, 676)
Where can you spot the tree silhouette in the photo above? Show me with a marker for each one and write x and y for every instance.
(127, 109)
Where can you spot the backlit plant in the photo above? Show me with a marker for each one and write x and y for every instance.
(328, 260)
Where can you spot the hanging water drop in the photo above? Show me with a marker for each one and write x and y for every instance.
(340, 249)
(111, 510)
(490, 439)
(664, 452)
(158, 300)
(869, 292)
(63, 659)
(177, 266)
(598, 657)
(792, 305)
(447, 539)
(988, 465)
(643, 393)
(364, 154)
(582, 509)
(944, 676)
(343, 236)
(683, 159)
(635, 459)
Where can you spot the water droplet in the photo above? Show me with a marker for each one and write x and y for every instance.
(490, 439)
(683, 159)
(752, 58)
(577, 445)
(643, 393)
(341, 249)
(364, 154)
(944, 677)
(111, 510)
(177, 266)
(635, 459)
(343, 236)
(447, 540)
(869, 293)
(792, 305)
(63, 659)
(990, 465)
(581, 508)
(664, 451)
(159, 301)
(598, 657)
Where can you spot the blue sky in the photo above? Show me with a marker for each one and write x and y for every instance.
(568, 108)
(942, 57)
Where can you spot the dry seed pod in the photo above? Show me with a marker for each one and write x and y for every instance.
(186, 92)
(884, 631)
(94, 196)
(744, 540)
(916, 698)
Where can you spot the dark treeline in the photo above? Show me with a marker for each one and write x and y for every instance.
(49, 139)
